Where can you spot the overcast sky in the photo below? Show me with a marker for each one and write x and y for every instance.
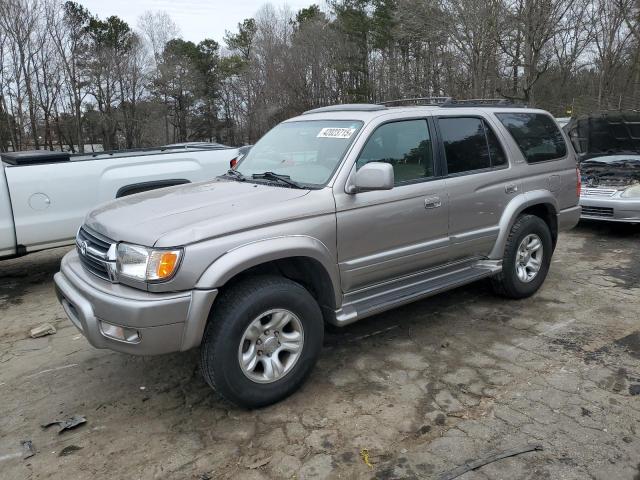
(197, 19)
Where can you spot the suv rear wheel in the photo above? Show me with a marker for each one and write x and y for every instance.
(262, 341)
(527, 256)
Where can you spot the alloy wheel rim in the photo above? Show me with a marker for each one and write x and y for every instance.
(529, 258)
(271, 346)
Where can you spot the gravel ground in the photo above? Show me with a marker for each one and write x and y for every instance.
(411, 393)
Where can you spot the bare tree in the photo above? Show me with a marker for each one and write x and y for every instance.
(611, 43)
(631, 12)
(157, 29)
(475, 33)
(531, 25)
(19, 20)
(68, 30)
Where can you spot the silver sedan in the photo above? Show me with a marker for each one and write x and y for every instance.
(611, 188)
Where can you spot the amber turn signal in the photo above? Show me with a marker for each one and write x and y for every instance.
(167, 264)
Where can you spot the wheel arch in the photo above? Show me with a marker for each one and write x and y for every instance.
(540, 203)
(303, 259)
(546, 212)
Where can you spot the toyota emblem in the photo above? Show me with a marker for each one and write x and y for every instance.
(83, 247)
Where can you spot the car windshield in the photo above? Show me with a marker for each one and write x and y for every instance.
(308, 152)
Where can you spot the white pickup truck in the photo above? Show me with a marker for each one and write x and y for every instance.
(45, 195)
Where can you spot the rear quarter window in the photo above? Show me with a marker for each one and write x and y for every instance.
(536, 134)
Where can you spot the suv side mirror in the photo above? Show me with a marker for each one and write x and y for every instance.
(372, 176)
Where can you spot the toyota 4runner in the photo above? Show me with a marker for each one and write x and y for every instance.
(335, 215)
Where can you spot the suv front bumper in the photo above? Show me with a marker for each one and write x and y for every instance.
(165, 322)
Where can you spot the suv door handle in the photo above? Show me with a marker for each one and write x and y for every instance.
(432, 202)
(511, 188)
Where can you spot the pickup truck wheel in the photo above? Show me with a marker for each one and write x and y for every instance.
(526, 260)
(263, 338)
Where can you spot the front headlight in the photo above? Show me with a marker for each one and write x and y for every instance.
(146, 264)
(633, 191)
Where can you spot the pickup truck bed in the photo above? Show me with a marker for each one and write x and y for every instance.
(44, 196)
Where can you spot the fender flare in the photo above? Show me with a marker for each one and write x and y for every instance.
(513, 209)
(251, 254)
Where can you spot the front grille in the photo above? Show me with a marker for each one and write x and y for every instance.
(597, 211)
(93, 251)
(598, 192)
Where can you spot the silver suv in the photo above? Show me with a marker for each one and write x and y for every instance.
(333, 216)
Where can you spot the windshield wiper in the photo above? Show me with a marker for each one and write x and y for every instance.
(279, 178)
(235, 174)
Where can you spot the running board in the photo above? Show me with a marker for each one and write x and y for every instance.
(369, 301)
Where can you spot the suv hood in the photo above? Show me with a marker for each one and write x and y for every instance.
(193, 212)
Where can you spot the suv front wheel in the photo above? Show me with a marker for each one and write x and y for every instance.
(262, 341)
(527, 256)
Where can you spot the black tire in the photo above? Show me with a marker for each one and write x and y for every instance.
(507, 283)
(233, 311)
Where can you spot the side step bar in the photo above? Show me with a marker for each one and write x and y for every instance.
(371, 300)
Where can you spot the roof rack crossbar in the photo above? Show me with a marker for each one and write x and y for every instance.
(482, 102)
(445, 102)
(425, 101)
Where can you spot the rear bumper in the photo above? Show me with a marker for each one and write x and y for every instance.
(165, 322)
(568, 218)
(611, 209)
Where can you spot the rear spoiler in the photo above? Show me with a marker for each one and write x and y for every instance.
(34, 157)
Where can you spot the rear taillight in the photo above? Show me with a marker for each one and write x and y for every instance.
(578, 181)
(233, 162)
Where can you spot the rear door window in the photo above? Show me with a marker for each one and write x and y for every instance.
(470, 144)
(536, 134)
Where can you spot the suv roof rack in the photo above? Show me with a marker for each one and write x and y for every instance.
(347, 107)
(482, 102)
(417, 101)
(445, 102)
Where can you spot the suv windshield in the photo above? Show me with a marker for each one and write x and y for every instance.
(307, 152)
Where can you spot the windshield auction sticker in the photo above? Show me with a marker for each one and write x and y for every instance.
(336, 132)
